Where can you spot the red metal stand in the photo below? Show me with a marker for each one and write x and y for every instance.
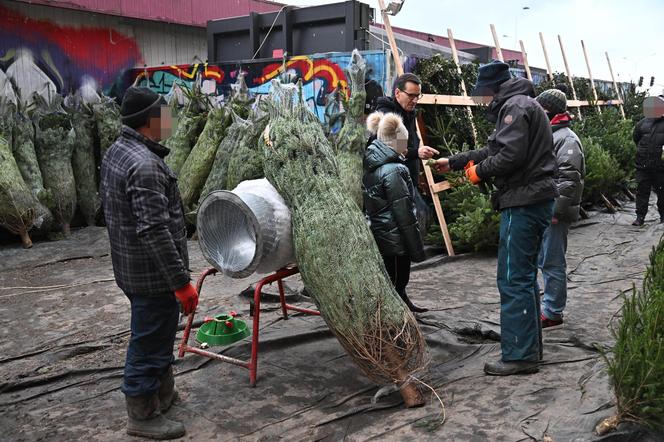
(252, 364)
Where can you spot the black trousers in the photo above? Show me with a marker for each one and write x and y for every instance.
(649, 180)
(398, 268)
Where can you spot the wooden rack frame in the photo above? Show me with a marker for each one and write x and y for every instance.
(468, 101)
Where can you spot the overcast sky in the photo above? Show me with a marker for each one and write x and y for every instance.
(632, 31)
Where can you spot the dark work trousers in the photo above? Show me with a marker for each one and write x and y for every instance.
(398, 268)
(154, 322)
(521, 232)
(648, 180)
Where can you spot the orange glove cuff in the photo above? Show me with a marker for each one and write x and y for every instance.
(471, 174)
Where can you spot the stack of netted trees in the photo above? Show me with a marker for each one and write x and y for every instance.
(55, 148)
(335, 251)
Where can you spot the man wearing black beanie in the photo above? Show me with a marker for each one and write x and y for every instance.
(146, 229)
(519, 160)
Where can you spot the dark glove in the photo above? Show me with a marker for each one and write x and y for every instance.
(188, 297)
(458, 161)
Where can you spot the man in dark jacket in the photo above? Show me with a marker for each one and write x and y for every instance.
(406, 94)
(519, 157)
(569, 180)
(388, 200)
(649, 139)
(146, 229)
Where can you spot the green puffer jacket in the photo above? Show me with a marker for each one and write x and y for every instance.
(388, 201)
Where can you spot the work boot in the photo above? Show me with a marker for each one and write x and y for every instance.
(167, 392)
(546, 322)
(413, 308)
(145, 419)
(638, 222)
(507, 368)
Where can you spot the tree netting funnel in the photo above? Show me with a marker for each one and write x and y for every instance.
(246, 230)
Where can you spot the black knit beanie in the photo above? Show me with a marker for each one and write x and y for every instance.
(138, 104)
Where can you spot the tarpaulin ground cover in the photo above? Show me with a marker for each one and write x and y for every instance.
(66, 328)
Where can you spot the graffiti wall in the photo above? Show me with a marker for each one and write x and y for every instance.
(66, 54)
(320, 74)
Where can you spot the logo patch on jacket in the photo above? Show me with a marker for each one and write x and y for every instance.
(508, 119)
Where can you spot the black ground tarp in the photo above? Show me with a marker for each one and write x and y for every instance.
(65, 329)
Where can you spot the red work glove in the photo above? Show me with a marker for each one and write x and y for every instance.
(188, 297)
(471, 172)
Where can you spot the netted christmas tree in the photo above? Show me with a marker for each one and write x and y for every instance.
(54, 142)
(350, 142)
(335, 250)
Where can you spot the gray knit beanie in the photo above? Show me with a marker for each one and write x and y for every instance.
(553, 100)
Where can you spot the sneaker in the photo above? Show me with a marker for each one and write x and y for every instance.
(638, 222)
(546, 322)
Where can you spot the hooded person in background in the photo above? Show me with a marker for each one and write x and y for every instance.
(388, 200)
(146, 229)
(569, 179)
(649, 139)
(519, 158)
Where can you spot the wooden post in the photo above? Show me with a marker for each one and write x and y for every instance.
(499, 52)
(546, 58)
(390, 38)
(434, 187)
(525, 60)
(464, 92)
(590, 75)
(615, 86)
(569, 74)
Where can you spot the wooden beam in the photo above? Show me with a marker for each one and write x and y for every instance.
(460, 100)
(524, 55)
(454, 100)
(546, 58)
(569, 74)
(615, 85)
(427, 170)
(441, 186)
(435, 189)
(585, 103)
(464, 92)
(590, 75)
(499, 52)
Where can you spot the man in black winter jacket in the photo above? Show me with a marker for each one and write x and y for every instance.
(649, 139)
(519, 159)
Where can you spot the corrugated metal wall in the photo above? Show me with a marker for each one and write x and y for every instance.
(159, 43)
(189, 12)
(71, 45)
